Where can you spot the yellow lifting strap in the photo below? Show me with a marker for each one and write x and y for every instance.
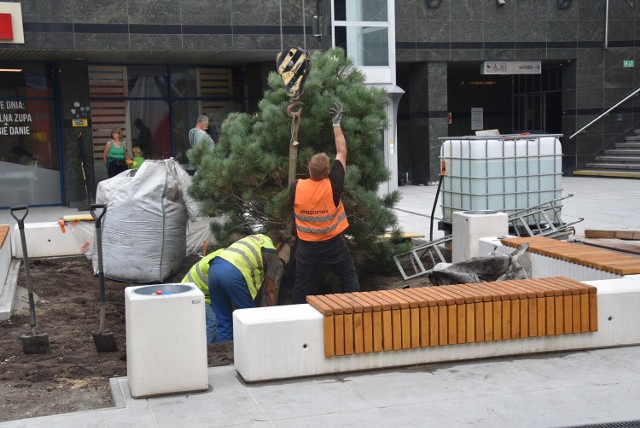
(293, 66)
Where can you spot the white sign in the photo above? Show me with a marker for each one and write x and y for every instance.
(14, 118)
(511, 67)
(477, 118)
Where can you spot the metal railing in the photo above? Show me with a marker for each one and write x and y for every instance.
(605, 113)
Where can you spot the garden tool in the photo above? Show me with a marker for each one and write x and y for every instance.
(105, 342)
(443, 171)
(33, 343)
(79, 137)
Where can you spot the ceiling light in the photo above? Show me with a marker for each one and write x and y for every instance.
(11, 70)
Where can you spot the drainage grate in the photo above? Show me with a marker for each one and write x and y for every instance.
(628, 424)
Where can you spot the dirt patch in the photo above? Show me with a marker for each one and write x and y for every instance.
(74, 376)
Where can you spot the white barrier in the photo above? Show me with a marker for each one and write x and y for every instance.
(49, 239)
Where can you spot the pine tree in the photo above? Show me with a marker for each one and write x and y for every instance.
(244, 179)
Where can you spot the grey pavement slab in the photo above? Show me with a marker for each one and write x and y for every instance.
(516, 393)
(606, 203)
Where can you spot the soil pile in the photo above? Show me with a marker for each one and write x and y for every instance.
(74, 376)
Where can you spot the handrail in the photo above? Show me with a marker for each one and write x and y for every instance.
(605, 113)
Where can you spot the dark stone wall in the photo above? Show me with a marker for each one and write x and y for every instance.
(170, 25)
(594, 79)
(73, 84)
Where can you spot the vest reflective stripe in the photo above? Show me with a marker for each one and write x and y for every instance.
(317, 217)
(246, 256)
(327, 230)
(199, 274)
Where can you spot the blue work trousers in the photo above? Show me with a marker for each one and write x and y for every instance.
(228, 290)
(211, 323)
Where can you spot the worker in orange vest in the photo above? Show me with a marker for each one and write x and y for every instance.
(320, 219)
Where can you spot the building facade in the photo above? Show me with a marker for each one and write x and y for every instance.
(72, 70)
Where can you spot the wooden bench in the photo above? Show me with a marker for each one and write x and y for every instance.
(4, 233)
(596, 258)
(391, 320)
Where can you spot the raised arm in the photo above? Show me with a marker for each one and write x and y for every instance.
(338, 135)
(341, 146)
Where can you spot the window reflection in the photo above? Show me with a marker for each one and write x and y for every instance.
(360, 10)
(29, 166)
(367, 46)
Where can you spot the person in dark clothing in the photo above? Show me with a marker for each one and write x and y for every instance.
(320, 219)
(143, 139)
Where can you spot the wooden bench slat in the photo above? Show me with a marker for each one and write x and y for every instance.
(401, 319)
(596, 258)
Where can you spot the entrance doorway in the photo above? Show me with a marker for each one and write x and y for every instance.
(537, 101)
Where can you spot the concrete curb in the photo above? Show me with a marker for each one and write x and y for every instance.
(8, 297)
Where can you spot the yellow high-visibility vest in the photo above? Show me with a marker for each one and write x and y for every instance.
(199, 274)
(246, 255)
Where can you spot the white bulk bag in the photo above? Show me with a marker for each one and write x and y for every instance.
(144, 228)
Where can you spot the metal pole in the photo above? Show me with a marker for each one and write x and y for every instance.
(606, 25)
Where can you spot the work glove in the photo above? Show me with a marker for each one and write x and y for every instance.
(336, 111)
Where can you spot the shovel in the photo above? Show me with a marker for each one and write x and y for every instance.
(31, 343)
(105, 342)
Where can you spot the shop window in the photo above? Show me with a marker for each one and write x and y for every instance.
(29, 165)
(156, 106)
(185, 113)
(211, 91)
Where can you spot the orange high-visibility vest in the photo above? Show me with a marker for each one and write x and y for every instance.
(317, 217)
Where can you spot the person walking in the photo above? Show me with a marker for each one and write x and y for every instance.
(115, 153)
(320, 219)
(198, 135)
(238, 272)
(199, 275)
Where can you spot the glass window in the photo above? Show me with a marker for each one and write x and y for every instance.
(360, 10)
(367, 46)
(149, 128)
(147, 81)
(185, 114)
(183, 82)
(29, 164)
(26, 80)
(158, 105)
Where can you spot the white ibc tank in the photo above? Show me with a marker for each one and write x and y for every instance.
(166, 339)
(503, 173)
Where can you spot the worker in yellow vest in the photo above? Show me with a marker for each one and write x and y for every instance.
(199, 275)
(320, 219)
(238, 272)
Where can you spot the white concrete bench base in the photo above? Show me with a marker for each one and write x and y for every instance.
(287, 341)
